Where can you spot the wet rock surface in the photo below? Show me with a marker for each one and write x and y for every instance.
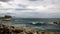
(57, 22)
(4, 29)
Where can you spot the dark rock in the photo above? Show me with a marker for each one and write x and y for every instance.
(6, 18)
(57, 22)
(17, 31)
(12, 26)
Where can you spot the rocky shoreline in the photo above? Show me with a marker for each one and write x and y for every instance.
(4, 29)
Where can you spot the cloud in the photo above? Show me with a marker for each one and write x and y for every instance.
(36, 0)
(4, 0)
(33, 0)
(31, 8)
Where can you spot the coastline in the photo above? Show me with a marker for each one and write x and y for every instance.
(6, 29)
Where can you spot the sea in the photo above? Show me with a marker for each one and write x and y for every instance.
(40, 24)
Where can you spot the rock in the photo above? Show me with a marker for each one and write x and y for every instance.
(4, 29)
(22, 33)
(57, 22)
(39, 32)
(6, 18)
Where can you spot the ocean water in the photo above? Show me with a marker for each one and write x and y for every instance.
(40, 24)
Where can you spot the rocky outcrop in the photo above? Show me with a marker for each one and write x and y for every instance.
(57, 22)
(6, 18)
(4, 29)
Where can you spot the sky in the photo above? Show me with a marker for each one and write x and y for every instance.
(30, 8)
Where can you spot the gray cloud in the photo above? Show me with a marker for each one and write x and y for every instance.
(4, 0)
(21, 9)
(45, 2)
(32, 0)
(35, 0)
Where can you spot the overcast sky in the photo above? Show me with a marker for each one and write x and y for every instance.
(30, 8)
